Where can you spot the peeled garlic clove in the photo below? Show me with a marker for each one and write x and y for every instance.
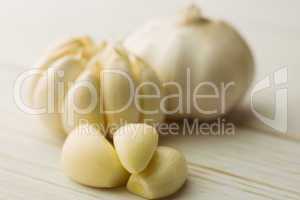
(203, 56)
(51, 96)
(83, 102)
(118, 88)
(149, 91)
(166, 174)
(89, 159)
(135, 145)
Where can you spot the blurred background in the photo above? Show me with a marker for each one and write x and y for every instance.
(271, 28)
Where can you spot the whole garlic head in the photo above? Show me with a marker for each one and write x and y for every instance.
(204, 56)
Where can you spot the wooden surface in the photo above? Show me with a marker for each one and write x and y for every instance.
(255, 163)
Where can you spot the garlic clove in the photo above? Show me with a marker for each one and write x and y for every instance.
(57, 69)
(83, 101)
(166, 174)
(81, 47)
(149, 91)
(135, 145)
(51, 96)
(118, 89)
(89, 159)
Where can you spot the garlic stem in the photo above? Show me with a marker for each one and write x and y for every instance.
(190, 14)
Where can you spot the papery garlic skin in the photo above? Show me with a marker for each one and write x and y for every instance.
(89, 159)
(166, 174)
(135, 145)
(191, 49)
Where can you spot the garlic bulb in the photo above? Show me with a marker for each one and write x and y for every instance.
(89, 159)
(103, 85)
(210, 63)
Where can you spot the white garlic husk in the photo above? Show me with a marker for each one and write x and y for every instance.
(204, 56)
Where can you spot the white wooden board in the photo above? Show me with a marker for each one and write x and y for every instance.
(255, 163)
